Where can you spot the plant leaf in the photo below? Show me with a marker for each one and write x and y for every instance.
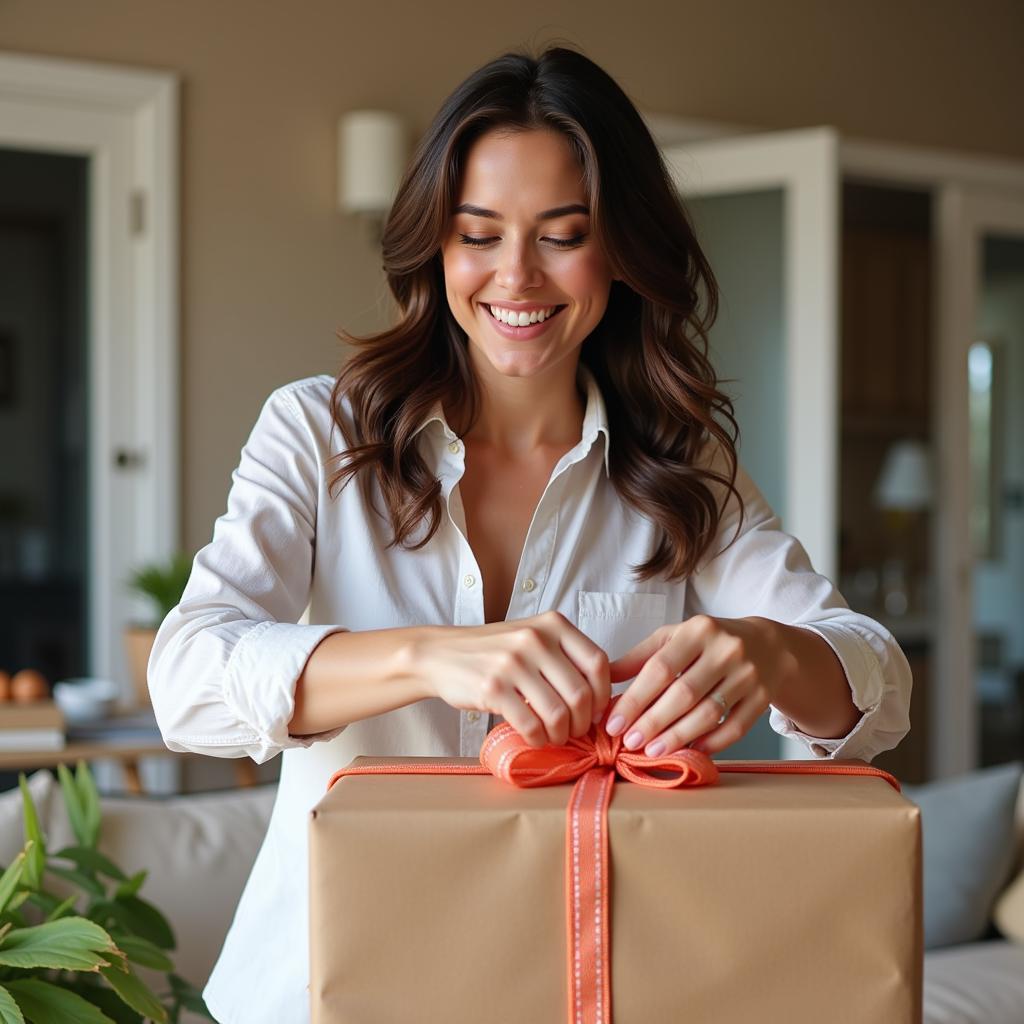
(191, 998)
(86, 857)
(131, 886)
(142, 951)
(36, 856)
(17, 899)
(136, 916)
(90, 800)
(10, 1012)
(10, 878)
(82, 880)
(45, 901)
(62, 909)
(73, 804)
(72, 943)
(107, 1000)
(43, 1002)
(135, 993)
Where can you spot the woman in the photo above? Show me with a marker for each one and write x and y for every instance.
(544, 507)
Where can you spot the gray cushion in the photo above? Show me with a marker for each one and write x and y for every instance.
(967, 825)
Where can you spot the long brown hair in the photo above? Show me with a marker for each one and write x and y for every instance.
(648, 354)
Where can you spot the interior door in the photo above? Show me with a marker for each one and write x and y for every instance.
(978, 715)
(766, 209)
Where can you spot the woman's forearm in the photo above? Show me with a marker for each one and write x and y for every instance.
(816, 695)
(356, 675)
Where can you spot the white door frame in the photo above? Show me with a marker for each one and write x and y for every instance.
(125, 121)
(965, 216)
(969, 194)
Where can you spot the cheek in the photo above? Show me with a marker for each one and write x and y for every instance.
(463, 273)
(589, 278)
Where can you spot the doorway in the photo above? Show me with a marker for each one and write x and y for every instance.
(44, 550)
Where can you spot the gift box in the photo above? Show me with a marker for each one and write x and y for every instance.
(613, 891)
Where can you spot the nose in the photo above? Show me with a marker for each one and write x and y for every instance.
(517, 268)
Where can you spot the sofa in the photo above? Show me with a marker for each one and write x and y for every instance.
(199, 848)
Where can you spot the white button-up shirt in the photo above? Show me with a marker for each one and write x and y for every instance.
(225, 662)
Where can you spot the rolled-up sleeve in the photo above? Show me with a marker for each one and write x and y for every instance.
(226, 659)
(766, 572)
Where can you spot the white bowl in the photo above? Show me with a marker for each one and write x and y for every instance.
(86, 699)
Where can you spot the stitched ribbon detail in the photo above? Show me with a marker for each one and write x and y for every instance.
(593, 761)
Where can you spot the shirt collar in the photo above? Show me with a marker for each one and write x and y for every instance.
(595, 417)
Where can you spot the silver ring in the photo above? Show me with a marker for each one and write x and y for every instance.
(723, 704)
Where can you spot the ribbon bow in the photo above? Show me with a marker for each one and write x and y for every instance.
(508, 756)
(593, 761)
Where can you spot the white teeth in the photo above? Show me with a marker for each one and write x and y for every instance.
(521, 319)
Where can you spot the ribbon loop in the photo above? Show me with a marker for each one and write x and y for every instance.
(509, 757)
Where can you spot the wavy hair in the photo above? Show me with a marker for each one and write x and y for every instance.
(648, 354)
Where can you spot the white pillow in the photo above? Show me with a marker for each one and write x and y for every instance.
(12, 823)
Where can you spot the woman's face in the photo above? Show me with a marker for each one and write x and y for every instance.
(519, 242)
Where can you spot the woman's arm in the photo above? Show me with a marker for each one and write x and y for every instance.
(350, 676)
(815, 695)
(226, 659)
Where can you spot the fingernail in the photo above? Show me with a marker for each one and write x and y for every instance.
(615, 724)
(597, 716)
(655, 749)
(634, 739)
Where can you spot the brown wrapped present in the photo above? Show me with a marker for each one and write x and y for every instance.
(754, 892)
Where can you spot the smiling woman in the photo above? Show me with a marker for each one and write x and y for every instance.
(547, 506)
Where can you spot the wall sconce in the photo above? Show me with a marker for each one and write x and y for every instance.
(372, 154)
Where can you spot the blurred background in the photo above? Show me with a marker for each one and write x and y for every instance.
(190, 196)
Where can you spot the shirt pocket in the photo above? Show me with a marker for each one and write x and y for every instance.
(617, 622)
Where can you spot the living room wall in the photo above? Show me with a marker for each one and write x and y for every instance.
(269, 268)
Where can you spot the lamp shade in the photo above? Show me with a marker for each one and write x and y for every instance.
(905, 481)
(371, 160)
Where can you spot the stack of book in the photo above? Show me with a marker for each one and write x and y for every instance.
(35, 726)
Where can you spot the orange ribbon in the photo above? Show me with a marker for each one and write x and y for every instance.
(593, 761)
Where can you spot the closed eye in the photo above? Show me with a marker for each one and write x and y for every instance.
(561, 243)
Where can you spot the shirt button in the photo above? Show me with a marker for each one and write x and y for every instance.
(472, 715)
(454, 447)
(469, 579)
(528, 584)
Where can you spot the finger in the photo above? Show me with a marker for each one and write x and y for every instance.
(544, 699)
(740, 721)
(663, 666)
(521, 716)
(591, 662)
(575, 694)
(700, 719)
(685, 693)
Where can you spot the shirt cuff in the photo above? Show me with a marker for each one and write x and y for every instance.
(864, 677)
(260, 679)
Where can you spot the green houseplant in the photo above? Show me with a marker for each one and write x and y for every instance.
(68, 959)
(162, 583)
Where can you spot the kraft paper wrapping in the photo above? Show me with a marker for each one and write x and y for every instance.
(762, 898)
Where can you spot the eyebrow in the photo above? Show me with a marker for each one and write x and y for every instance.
(558, 211)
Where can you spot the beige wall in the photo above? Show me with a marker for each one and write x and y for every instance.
(270, 269)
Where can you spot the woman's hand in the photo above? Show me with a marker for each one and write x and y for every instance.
(667, 706)
(547, 679)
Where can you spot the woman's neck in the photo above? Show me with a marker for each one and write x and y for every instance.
(521, 416)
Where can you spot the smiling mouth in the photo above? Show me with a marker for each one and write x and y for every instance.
(532, 323)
